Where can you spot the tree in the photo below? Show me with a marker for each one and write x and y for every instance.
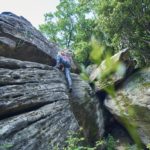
(116, 24)
(60, 25)
(126, 23)
(71, 26)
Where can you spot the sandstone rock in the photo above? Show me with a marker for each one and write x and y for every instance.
(87, 109)
(20, 40)
(34, 106)
(131, 106)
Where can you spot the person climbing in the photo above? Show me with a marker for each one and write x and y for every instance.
(63, 62)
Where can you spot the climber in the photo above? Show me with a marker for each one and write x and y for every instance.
(64, 64)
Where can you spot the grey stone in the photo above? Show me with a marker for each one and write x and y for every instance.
(131, 106)
(10, 43)
(43, 128)
(87, 109)
(34, 106)
(20, 40)
(128, 66)
(91, 68)
(37, 111)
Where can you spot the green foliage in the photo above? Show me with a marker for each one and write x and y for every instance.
(97, 51)
(68, 25)
(59, 26)
(71, 26)
(116, 24)
(131, 147)
(84, 74)
(111, 143)
(124, 18)
(125, 22)
(130, 125)
(148, 146)
(76, 141)
(82, 53)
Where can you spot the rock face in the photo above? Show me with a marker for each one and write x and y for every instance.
(20, 40)
(35, 112)
(34, 106)
(127, 67)
(131, 106)
(91, 68)
(87, 109)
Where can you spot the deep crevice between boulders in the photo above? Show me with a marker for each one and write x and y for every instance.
(112, 126)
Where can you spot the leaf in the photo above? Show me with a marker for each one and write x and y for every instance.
(97, 51)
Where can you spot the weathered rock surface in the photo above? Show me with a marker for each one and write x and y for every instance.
(34, 106)
(91, 68)
(35, 110)
(131, 106)
(126, 69)
(87, 109)
(20, 40)
(43, 128)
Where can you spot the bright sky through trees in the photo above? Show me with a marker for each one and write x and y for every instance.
(32, 10)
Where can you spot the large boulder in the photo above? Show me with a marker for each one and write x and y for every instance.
(126, 67)
(20, 40)
(87, 109)
(34, 106)
(131, 106)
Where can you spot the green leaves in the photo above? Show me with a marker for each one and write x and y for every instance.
(125, 23)
(97, 51)
(71, 26)
(148, 146)
(84, 74)
(115, 23)
(76, 141)
(59, 26)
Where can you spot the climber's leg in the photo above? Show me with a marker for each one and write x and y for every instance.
(68, 77)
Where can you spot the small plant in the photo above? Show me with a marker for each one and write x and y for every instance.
(76, 141)
(131, 147)
(110, 143)
(148, 146)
